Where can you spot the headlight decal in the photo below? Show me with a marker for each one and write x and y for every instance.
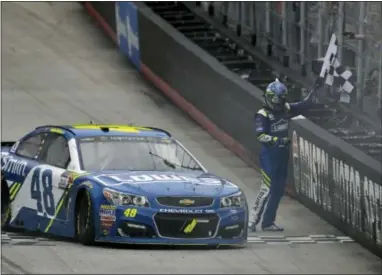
(125, 199)
(237, 200)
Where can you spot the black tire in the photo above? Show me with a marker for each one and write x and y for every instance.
(5, 205)
(84, 225)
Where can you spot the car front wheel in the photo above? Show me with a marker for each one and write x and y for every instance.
(85, 231)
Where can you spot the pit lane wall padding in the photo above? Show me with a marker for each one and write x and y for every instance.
(332, 178)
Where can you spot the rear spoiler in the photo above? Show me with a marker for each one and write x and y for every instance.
(7, 143)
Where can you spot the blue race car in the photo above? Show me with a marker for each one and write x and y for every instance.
(117, 183)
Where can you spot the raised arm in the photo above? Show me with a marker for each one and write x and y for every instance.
(297, 108)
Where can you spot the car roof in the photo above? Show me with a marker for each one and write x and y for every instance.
(92, 130)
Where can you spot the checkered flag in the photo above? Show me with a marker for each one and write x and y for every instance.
(334, 73)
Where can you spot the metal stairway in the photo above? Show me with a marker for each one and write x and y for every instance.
(260, 74)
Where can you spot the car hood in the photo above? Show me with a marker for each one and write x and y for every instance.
(166, 183)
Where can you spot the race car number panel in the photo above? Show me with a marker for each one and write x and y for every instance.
(39, 192)
(42, 192)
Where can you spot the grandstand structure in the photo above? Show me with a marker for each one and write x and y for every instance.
(297, 33)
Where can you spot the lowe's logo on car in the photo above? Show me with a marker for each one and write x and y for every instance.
(127, 31)
(144, 178)
(167, 178)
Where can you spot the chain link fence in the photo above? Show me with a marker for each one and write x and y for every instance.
(297, 33)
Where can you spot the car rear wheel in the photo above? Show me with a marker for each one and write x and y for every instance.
(85, 231)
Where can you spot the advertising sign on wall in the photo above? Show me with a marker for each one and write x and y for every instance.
(337, 187)
(128, 31)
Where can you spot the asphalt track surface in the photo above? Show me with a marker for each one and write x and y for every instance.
(58, 68)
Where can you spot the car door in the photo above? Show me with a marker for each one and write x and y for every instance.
(18, 166)
(50, 188)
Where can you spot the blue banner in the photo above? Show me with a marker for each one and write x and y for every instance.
(127, 31)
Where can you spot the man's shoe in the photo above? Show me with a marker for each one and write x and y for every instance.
(273, 228)
(252, 227)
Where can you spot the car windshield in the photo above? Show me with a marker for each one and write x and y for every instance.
(135, 154)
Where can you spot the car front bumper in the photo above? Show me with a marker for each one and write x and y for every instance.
(174, 226)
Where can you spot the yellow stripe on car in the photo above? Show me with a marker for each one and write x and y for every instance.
(56, 130)
(14, 190)
(119, 128)
(62, 200)
(59, 206)
(75, 175)
(189, 228)
(142, 128)
(13, 187)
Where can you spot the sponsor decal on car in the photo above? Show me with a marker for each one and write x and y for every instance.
(14, 147)
(209, 211)
(107, 212)
(106, 227)
(107, 218)
(187, 202)
(158, 178)
(105, 232)
(65, 181)
(14, 166)
(108, 207)
(185, 211)
(130, 212)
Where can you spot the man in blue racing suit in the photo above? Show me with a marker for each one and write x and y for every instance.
(272, 123)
